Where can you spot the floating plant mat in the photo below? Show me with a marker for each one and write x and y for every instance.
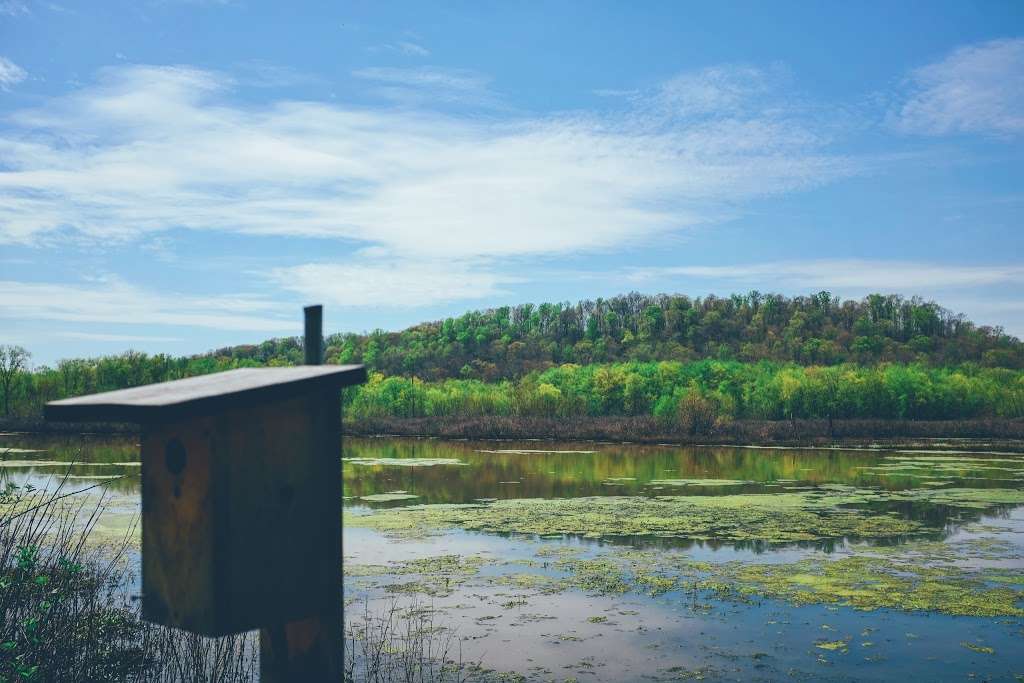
(526, 451)
(948, 467)
(778, 518)
(404, 462)
(917, 576)
(389, 497)
(827, 512)
(95, 476)
(64, 463)
(700, 482)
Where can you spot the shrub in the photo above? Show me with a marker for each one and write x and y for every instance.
(697, 414)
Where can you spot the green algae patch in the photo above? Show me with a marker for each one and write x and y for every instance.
(833, 645)
(444, 565)
(701, 482)
(539, 583)
(774, 518)
(870, 583)
(874, 578)
(965, 498)
(98, 477)
(983, 649)
(360, 570)
(529, 451)
(598, 576)
(946, 467)
(435, 576)
(389, 497)
(655, 585)
(558, 550)
(859, 582)
(403, 462)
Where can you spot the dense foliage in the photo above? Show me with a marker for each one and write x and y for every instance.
(709, 390)
(509, 342)
(753, 356)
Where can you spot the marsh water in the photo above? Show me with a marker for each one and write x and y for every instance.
(611, 562)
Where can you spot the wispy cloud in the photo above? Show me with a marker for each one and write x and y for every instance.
(843, 274)
(10, 74)
(401, 283)
(615, 92)
(976, 89)
(425, 84)
(403, 47)
(112, 301)
(412, 49)
(426, 77)
(716, 90)
(100, 337)
(150, 149)
(13, 8)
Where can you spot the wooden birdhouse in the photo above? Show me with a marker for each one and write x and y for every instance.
(241, 493)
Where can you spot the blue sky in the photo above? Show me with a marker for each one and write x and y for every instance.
(179, 176)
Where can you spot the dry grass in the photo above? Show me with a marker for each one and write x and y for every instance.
(404, 644)
(68, 614)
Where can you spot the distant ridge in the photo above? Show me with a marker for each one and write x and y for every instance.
(819, 329)
(695, 365)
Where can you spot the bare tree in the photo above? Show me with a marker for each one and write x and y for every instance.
(13, 359)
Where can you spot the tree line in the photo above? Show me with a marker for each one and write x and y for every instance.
(698, 393)
(510, 342)
(520, 357)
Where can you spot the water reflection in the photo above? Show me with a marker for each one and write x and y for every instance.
(509, 471)
(395, 472)
(635, 635)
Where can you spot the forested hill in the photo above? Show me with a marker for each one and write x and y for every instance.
(509, 342)
(734, 358)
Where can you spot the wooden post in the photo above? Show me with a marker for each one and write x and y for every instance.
(310, 649)
(313, 340)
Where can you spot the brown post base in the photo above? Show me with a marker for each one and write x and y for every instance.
(307, 650)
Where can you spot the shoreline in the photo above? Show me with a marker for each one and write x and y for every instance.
(989, 435)
(974, 435)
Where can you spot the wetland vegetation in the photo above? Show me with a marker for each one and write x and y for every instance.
(534, 560)
(537, 560)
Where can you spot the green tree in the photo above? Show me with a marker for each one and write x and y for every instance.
(13, 360)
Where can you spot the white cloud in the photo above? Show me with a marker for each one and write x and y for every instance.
(427, 84)
(413, 49)
(148, 149)
(614, 92)
(715, 90)
(10, 74)
(404, 47)
(393, 284)
(89, 336)
(844, 274)
(113, 301)
(976, 89)
(13, 8)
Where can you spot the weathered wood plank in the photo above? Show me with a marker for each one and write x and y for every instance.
(204, 395)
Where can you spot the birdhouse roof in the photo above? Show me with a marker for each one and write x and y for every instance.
(204, 395)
